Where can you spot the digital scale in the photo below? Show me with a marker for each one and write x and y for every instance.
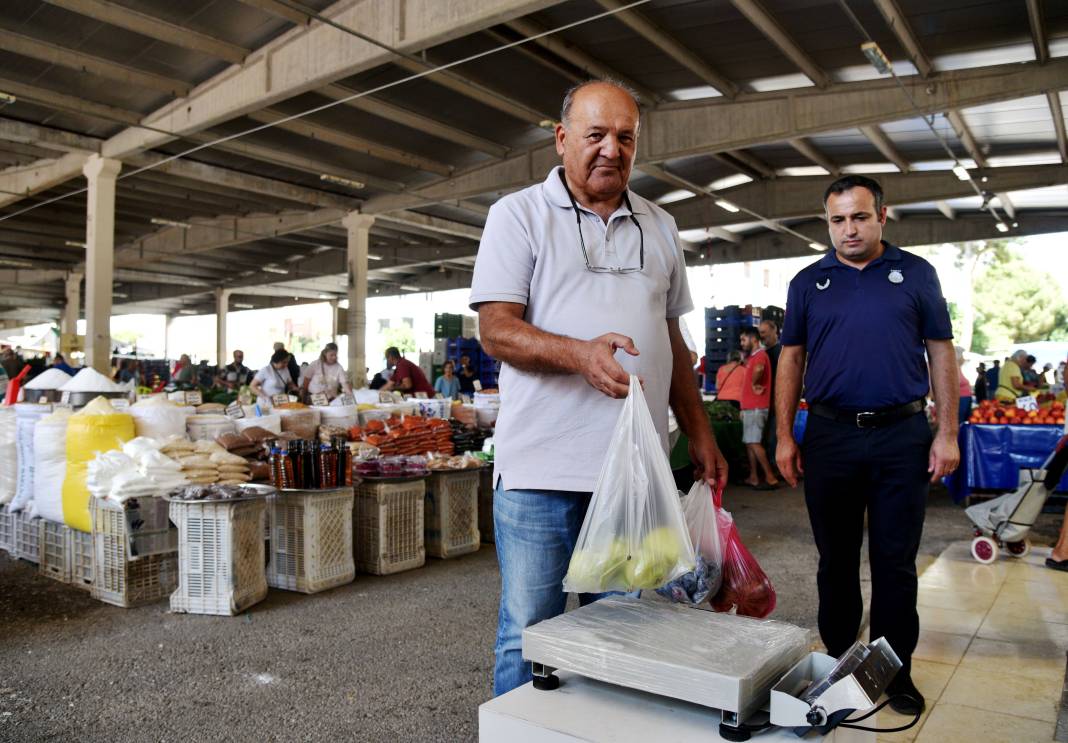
(721, 661)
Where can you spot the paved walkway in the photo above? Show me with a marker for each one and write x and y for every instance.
(991, 657)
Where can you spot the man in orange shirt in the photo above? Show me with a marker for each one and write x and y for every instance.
(729, 379)
(756, 399)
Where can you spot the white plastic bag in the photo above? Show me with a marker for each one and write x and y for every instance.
(9, 466)
(634, 535)
(26, 417)
(699, 508)
(50, 465)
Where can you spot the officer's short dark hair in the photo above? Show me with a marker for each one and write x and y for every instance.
(848, 182)
(751, 332)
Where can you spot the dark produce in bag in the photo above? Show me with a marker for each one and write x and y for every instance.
(746, 587)
(705, 579)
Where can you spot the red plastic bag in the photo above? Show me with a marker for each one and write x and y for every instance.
(14, 386)
(746, 587)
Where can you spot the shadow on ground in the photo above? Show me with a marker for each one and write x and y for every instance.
(401, 658)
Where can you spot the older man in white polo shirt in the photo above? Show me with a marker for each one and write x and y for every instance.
(579, 283)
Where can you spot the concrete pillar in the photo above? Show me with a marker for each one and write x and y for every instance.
(359, 231)
(99, 259)
(222, 306)
(333, 320)
(69, 323)
(167, 320)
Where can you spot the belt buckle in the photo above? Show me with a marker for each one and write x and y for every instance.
(865, 416)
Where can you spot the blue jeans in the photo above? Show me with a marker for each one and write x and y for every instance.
(535, 532)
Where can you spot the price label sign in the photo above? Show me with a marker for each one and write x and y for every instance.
(348, 399)
(194, 398)
(120, 404)
(178, 397)
(385, 397)
(319, 398)
(235, 411)
(477, 385)
(64, 398)
(1027, 402)
(280, 399)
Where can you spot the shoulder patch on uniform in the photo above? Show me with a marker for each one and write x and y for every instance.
(821, 285)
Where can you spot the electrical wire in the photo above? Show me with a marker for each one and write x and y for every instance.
(928, 119)
(385, 86)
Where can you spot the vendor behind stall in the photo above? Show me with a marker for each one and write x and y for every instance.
(234, 375)
(184, 372)
(407, 377)
(1011, 382)
(273, 379)
(325, 375)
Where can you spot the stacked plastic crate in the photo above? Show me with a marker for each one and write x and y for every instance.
(483, 364)
(723, 333)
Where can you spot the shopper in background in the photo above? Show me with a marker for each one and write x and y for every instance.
(291, 364)
(730, 378)
(129, 369)
(1011, 380)
(448, 384)
(857, 323)
(570, 272)
(1047, 376)
(1030, 376)
(769, 338)
(467, 376)
(273, 379)
(756, 399)
(11, 362)
(325, 375)
(993, 379)
(964, 406)
(184, 372)
(407, 377)
(235, 374)
(981, 392)
(61, 363)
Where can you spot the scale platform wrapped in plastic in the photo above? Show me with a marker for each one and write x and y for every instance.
(716, 660)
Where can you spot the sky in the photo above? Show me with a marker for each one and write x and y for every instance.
(305, 328)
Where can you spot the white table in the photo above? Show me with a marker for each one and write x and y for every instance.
(586, 710)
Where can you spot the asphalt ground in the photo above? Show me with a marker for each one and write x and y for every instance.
(406, 657)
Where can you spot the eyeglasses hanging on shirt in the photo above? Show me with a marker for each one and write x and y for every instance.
(582, 241)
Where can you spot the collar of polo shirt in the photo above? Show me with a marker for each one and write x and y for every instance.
(555, 193)
(891, 253)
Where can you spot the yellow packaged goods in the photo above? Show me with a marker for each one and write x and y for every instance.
(94, 429)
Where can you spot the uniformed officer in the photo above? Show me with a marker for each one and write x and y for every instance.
(862, 318)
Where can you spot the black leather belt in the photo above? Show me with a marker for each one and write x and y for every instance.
(867, 418)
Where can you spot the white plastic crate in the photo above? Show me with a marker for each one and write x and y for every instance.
(81, 559)
(55, 547)
(220, 556)
(452, 513)
(388, 526)
(311, 540)
(119, 579)
(7, 534)
(485, 505)
(26, 537)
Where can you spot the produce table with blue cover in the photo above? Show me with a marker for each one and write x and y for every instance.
(991, 456)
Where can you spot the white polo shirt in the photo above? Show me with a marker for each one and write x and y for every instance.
(553, 429)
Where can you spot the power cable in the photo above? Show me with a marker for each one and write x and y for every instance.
(928, 119)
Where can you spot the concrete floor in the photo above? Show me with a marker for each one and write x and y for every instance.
(400, 658)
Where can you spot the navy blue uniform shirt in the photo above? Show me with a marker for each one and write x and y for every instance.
(864, 330)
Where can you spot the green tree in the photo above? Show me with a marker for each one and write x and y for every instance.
(971, 257)
(403, 338)
(1016, 303)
